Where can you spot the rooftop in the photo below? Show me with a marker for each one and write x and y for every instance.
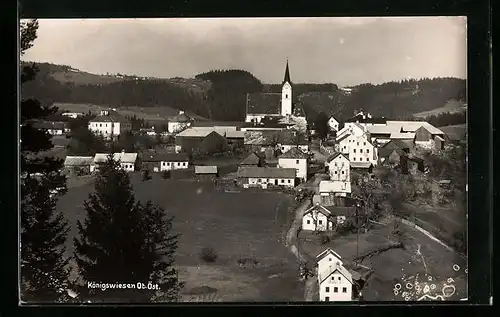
(334, 155)
(151, 156)
(266, 172)
(361, 164)
(260, 137)
(402, 135)
(78, 160)
(181, 117)
(324, 274)
(121, 157)
(49, 125)
(112, 116)
(252, 159)
(294, 153)
(205, 169)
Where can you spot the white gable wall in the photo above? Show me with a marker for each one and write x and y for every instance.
(299, 164)
(361, 150)
(339, 168)
(335, 288)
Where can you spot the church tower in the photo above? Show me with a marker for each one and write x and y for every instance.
(286, 93)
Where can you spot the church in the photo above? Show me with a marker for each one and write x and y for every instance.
(263, 108)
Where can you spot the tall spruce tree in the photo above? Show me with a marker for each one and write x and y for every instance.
(44, 272)
(123, 241)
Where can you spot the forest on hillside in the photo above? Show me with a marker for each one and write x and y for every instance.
(226, 98)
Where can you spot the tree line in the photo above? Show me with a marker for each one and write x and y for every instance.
(120, 240)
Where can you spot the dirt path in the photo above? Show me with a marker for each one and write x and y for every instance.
(292, 243)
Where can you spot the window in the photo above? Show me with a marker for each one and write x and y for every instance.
(282, 180)
(367, 150)
(289, 181)
(335, 172)
(100, 125)
(344, 147)
(360, 159)
(360, 150)
(367, 159)
(357, 143)
(320, 222)
(353, 158)
(335, 164)
(168, 163)
(282, 148)
(364, 143)
(286, 95)
(258, 180)
(329, 259)
(327, 299)
(354, 150)
(184, 164)
(308, 222)
(342, 164)
(343, 172)
(339, 278)
(335, 289)
(163, 163)
(344, 289)
(297, 162)
(327, 289)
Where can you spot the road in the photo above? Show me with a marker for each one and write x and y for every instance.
(292, 243)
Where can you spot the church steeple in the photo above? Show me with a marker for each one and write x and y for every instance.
(287, 74)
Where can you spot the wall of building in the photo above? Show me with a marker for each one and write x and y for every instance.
(335, 288)
(129, 167)
(339, 169)
(361, 150)
(300, 166)
(287, 182)
(167, 166)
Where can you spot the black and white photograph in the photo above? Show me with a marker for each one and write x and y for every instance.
(216, 160)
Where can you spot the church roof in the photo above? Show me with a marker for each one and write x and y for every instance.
(287, 74)
(264, 103)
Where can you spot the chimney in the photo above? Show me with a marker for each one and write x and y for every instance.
(181, 112)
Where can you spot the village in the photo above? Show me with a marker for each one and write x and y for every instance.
(333, 180)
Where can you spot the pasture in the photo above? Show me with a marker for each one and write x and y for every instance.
(421, 258)
(243, 225)
(152, 114)
(451, 106)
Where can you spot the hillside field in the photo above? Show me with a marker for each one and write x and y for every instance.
(147, 113)
(243, 225)
(452, 106)
(457, 132)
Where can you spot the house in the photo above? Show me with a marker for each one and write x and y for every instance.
(335, 283)
(352, 129)
(73, 115)
(254, 159)
(335, 187)
(78, 165)
(109, 124)
(179, 122)
(53, 128)
(325, 218)
(388, 156)
(362, 166)
(327, 258)
(425, 133)
(200, 140)
(260, 140)
(365, 120)
(127, 160)
(333, 124)
(294, 158)
(235, 138)
(338, 167)
(206, 172)
(362, 150)
(292, 139)
(163, 161)
(332, 200)
(412, 164)
(398, 144)
(266, 176)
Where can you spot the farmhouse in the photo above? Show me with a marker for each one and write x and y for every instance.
(333, 124)
(127, 160)
(338, 167)
(179, 122)
(53, 128)
(424, 134)
(362, 150)
(206, 172)
(266, 176)
(335, 283)
(254, 159)
(200, 140)
(335, 187)
(294, 158)
(109, 124)
(162, 161)
(322, 218)
(78, 165)
(292, 139)
(273, 105)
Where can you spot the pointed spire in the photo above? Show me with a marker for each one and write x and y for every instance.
(287, 74)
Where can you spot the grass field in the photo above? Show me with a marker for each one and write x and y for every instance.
(396, 265)
(456, 132)
(247, 224)
(147, 113)
(452, 106)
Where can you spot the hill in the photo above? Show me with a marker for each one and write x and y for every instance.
(452, 106)
(455, 132)
(220, 94)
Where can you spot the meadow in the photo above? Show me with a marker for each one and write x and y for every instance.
(243, 225)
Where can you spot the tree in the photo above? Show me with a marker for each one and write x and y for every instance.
(117, 230)
(146, 175)
(84, 142)
(321, 125)
(44, 273)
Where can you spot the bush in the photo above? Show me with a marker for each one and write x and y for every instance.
(245, 262)
(324, 238)
(146, 175)
(347, 227)
(165, 175)
(208, 255)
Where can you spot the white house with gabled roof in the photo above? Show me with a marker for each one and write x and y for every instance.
(294, 158)
(338, 167)
(327, 258)
(335, 283)
(333, 124)
(362, 150)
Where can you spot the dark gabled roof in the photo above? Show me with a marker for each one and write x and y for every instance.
(252, 159)
(266, 172)
(399, 143)
(264, 103)
(293, 153)
(45, 125)
(385, 152)
(333, 156)
(287, 74)
(112, 116)
(164, 157)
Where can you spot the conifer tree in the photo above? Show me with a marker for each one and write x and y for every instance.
(44, 273)
(122, 241)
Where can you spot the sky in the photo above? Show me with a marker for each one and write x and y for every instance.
(344, 51)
